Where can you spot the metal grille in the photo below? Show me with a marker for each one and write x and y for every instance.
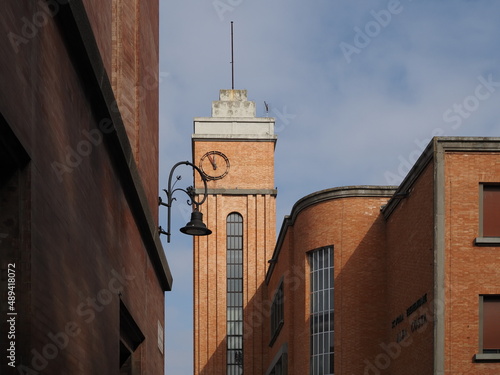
(234, 267)
(322, 316)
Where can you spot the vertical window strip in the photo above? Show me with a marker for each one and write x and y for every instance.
(234, 265)
(322, 311)
(277, 313)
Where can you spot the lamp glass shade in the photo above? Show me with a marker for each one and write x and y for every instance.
(196, 226)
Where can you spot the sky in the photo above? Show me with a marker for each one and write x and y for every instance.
(357, 88)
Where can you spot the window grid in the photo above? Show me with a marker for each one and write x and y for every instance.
(322, 311)
(234, 269)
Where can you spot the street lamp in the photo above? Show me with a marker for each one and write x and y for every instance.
(195, 227)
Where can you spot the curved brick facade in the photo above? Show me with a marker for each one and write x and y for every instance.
(348, 219)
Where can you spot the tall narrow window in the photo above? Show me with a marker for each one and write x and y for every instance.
(321, 318)
(491, 210)
(234, 231)
(277, 313)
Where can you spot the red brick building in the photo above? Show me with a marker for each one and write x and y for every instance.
(235, 151)
(381, 280)
(363, 279)
(83, 272)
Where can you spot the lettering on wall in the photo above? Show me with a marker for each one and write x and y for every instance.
(415, 324)
(401, 335)
(399, 319)
(410, 310)
(418, 323)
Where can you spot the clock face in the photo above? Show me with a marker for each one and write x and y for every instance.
(214, 165)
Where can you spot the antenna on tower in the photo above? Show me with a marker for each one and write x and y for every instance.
(232, 58)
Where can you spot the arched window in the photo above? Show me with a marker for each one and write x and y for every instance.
(234, 267)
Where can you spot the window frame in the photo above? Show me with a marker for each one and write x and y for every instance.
(277, 319)
(320, 309)
(234, 296)
(481, 356)
(280, 359)
(481, 240)
(131, 337)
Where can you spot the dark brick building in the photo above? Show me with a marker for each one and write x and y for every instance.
(83, 272)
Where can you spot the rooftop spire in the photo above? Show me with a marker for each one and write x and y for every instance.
(232, 58)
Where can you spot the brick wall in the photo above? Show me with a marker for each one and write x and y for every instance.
(355, 228)
(82, 231)
(251, 164)
(409, 339)
(251, 167)
(470, 270)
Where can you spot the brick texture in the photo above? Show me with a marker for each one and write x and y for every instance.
(410, 276)
(81, 231)
(386, 272)
(251, 167)
(470, 270)
(355, 229)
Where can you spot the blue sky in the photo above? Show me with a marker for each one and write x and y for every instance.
(357, 88)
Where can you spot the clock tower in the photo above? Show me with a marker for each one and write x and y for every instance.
(235, 151)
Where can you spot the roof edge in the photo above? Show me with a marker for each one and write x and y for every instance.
(447, 144)
(356, 191)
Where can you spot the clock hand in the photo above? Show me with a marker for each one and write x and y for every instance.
(212, 161)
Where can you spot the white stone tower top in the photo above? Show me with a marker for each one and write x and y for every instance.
(233, 103)
(233, 117)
